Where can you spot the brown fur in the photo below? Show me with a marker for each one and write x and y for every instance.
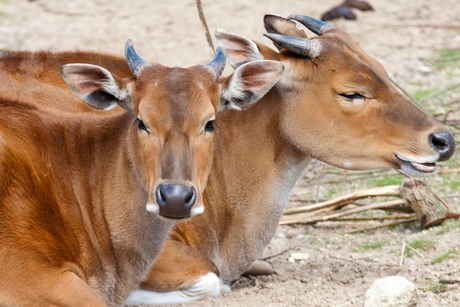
(302, 117)
(260, 153)
(74, 187)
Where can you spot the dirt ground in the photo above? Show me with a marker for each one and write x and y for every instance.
(339, 266)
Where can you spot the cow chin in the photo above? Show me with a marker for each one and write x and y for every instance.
(152, 208)
(197, 210)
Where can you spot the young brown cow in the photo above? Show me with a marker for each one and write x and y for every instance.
(334, 103)
(86, 201)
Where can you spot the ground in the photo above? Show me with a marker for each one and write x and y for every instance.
(418, 42)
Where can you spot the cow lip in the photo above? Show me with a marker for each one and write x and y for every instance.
(413, 168)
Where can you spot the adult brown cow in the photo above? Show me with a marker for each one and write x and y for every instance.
(86, 201)
(35, 76)
(334, 103)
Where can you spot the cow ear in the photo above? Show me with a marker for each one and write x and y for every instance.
(95, 85)
(249, 83)
(238, 49)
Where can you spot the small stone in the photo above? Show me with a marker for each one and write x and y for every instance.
(280, 235)
(260, 267)
(299, 256)
(392, 291)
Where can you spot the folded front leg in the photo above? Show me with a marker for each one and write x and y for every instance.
(180, 274)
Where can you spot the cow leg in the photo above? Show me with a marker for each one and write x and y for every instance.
(180, 274)
(64, 289)
(71, 289)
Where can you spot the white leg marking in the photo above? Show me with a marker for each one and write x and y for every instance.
(205, 286)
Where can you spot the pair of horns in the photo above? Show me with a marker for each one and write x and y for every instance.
(136, 63)
(302, 46)
(309, 48)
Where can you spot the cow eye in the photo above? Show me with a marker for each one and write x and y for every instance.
(141, 125)
(210, 125)
(353, 96)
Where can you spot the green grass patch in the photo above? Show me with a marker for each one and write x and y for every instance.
(454, 184)
(445, 58)
(423, 94)
(386, 180)
(454, 160)
(374, 245)
(435, 289)
(448, 226)
(331, 192)
(450, 254)
(419, 245)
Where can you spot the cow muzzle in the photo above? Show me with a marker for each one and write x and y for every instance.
(443, 144)
(175, 201)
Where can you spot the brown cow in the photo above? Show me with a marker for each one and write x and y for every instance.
(334, 103)
(86, 201)
(36, 76)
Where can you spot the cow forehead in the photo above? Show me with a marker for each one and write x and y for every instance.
(342, 49)
(176, 85)
(181, 95)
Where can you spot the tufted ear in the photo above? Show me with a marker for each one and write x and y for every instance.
(96, 86)
(250, 82)
(238, 49)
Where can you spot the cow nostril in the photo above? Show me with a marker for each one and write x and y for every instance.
(438, 143)
(443, 143)
(190, 200)
(160, 196)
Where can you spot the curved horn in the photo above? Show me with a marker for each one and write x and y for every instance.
(317, 26)
(217, 65)
(135, 62)
(306, 47)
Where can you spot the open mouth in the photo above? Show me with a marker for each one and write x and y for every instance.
(413, 168)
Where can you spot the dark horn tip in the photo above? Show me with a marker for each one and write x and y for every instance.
(129, 44)
(272, 36)
(217, 65)
(135, 62)
(317, 26)
(219, 51)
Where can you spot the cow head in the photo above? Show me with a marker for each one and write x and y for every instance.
(339, 104)
(171, 122)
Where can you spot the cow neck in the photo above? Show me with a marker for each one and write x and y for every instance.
(119, 227)
(253, 173)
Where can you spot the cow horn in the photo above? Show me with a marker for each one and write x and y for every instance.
(302, 46)
(135, 62)
(217, 65)
(317, 26)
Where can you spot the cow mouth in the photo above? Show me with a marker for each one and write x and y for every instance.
(155, 208)
(415, 168)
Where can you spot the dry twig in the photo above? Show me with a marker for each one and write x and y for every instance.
(392, 190)
(382, 225)
(205, 26)
(401, 259)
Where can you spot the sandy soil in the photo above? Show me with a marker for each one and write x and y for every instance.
(340, 267)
